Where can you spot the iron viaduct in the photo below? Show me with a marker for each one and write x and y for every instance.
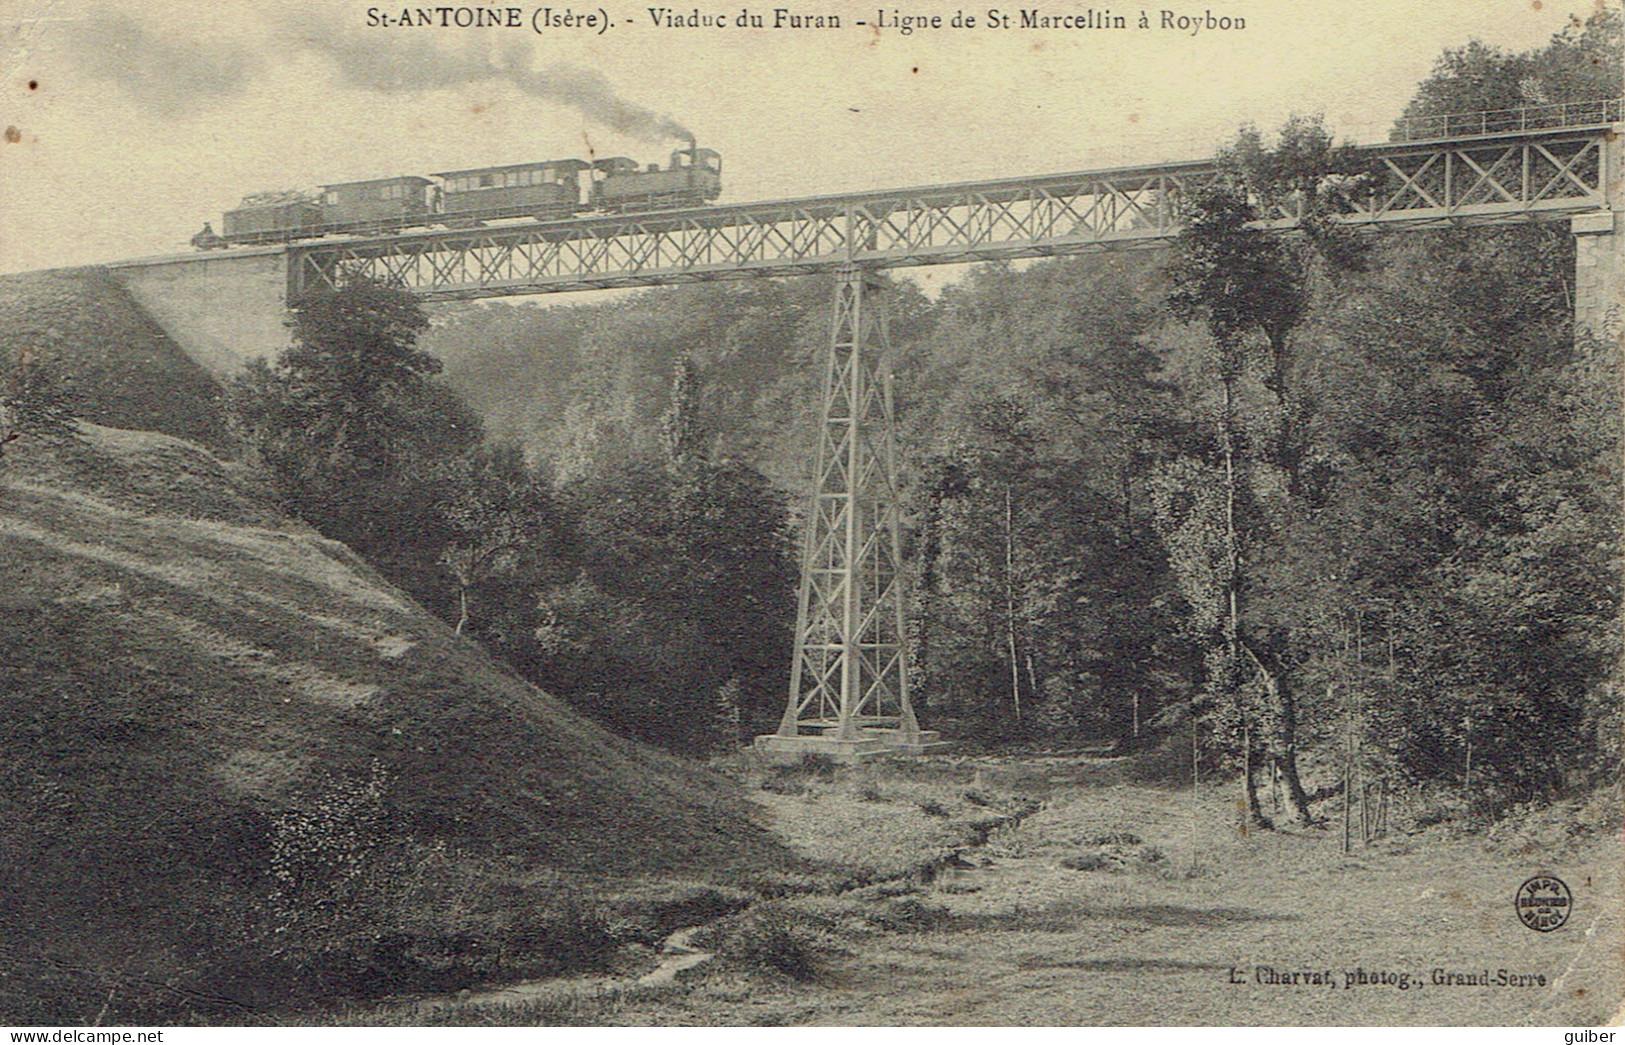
(848, 693)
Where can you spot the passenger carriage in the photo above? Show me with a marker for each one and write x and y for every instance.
(544, 190)
(379, 204)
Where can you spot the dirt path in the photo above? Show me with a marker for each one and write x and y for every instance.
(677, 956)
(1038, 944)
(1113, 903)
(1188, 922)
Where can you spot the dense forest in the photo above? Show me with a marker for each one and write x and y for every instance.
(1259, 494)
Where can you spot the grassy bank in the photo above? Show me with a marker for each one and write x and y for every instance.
(240, 773)
(1099, 900)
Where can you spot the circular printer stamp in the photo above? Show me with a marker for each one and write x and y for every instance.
(1543, 903)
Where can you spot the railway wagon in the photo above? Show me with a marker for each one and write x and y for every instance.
(693, 176)
(272, 217)
(379, 203)
(549, 189)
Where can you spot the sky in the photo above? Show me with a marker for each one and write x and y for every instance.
(131, 122)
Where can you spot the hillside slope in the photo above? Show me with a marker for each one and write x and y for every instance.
(219, 725)
(126, 371)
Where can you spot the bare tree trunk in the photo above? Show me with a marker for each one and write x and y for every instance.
(1297, 798)
(1010, 602)
(1253, 814)
(1232, 563)
(1246, 777)
(1348, 795)
(1285, 704)
(462, 609)
(1232, 580)
(1128, 502)
(927, 590)
(1196, 778)
(1285, 748)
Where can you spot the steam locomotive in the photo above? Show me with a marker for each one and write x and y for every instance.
(543, 191)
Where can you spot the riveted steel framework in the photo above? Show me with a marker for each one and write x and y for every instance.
(850, 668)
(1504, 177)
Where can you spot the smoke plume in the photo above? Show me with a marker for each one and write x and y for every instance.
(416, 64)
(170, 75)
(162, 75)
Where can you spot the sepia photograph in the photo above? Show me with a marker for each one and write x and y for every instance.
(933, 514)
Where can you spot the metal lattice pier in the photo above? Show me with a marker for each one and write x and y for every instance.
(849, 677)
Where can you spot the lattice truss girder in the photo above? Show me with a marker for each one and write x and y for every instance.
(850, 664)
(969, 224)
(1487, 180)
(1529, 176)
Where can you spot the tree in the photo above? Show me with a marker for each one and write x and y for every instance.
(1039, 578)
(353, 362)
(1038, 609)
(982, 559)
(351, 428)
(498, 512)
(1409, 528)
(1251, 291)
(1479, 478)
(683, 593)
(1475, 514)
(1574, 67)
(682, 432)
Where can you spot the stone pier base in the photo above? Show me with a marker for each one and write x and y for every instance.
(1599, 275)
(869, 743)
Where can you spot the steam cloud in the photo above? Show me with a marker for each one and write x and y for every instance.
(415, 64)
(165, 77)
(169, 76)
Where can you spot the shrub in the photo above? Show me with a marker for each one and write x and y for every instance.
(769, 939)
(1088, 862)
(820, 767)
(1116, 838)
(35, 399)
(907, 914)
(359, 913)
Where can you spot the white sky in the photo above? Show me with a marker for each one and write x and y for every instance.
(150, 117)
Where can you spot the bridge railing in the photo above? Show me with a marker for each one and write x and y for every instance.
(1506, 121)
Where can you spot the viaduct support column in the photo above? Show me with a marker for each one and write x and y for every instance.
(1599, 254)
(849, 677)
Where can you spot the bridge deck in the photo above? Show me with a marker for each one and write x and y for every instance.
(1521, 175)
